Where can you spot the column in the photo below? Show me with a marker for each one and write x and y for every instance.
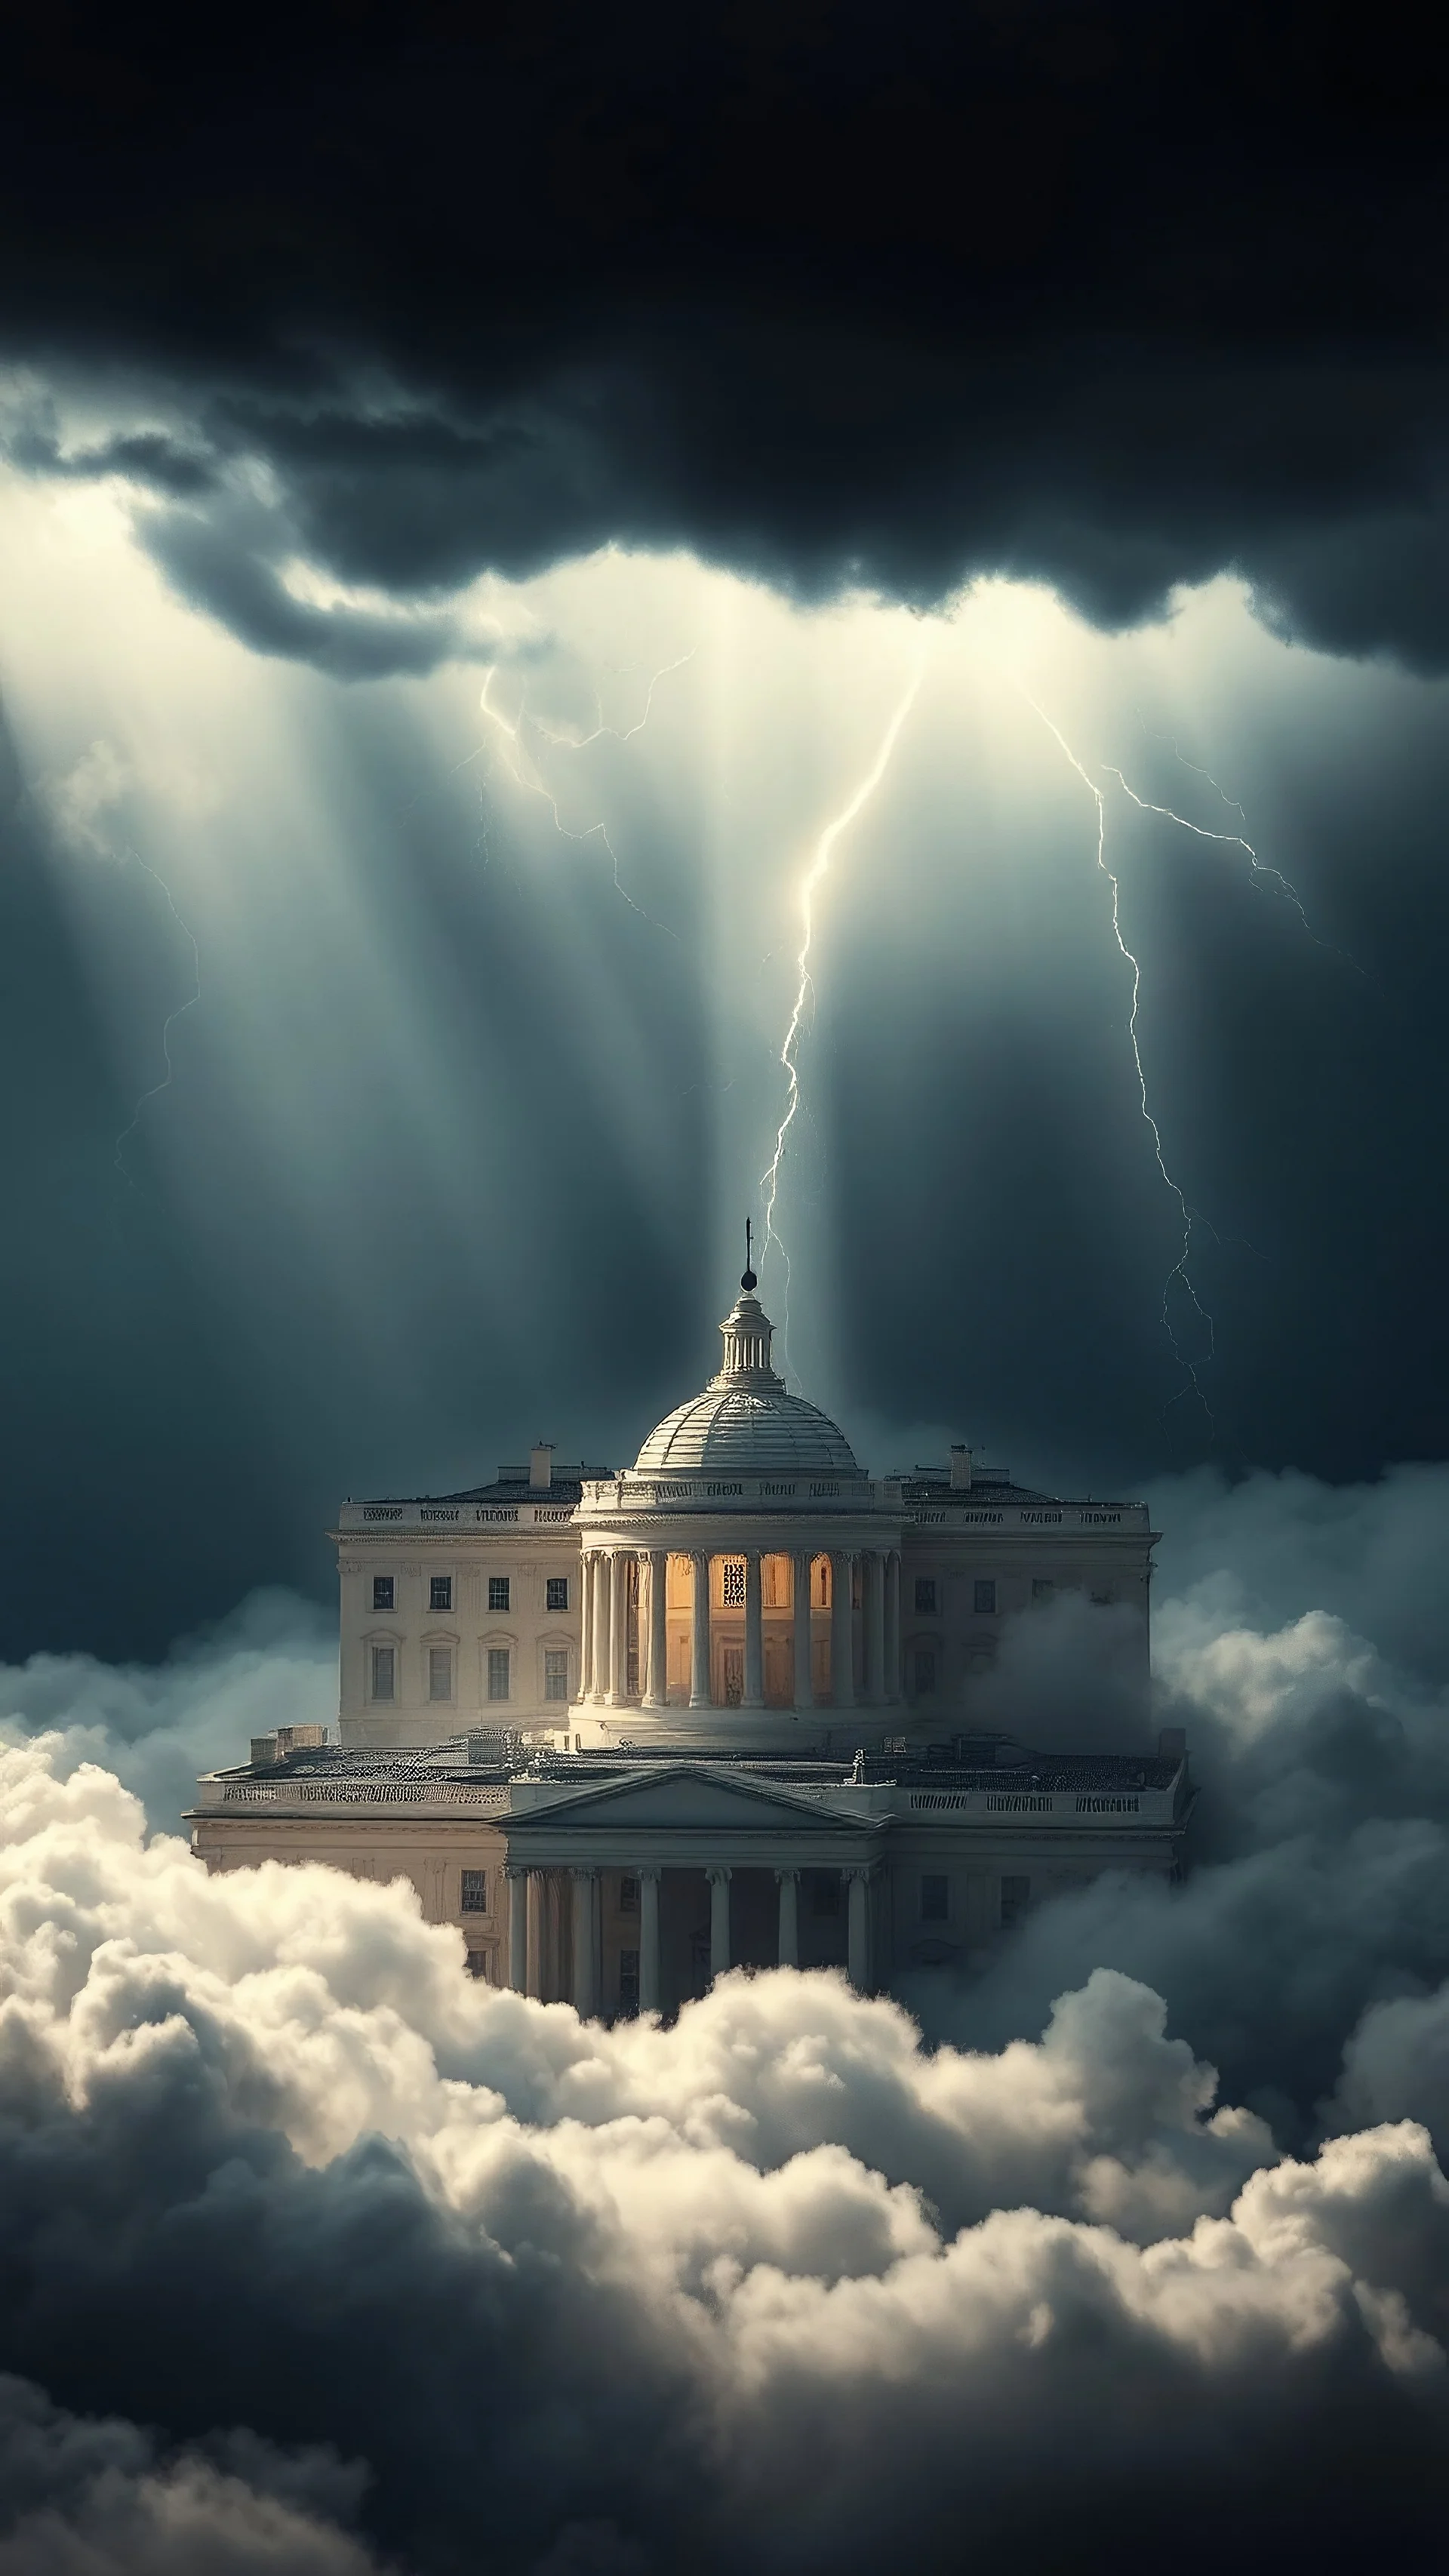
(600, 1664)
(874, 1628)
(699, 1636)
(719, 1920)
(618, 1690)
(893, 1626)
(754, 1633)
(842, 1627)
(657, 1693)
(857, 1929)
(517, 1880)
(535, 1891)
(648, 1940)
(586, 1966)
(789, 1947)
(804, 1565)
(586, 1624)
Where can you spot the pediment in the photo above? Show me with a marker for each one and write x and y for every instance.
(688, 1799)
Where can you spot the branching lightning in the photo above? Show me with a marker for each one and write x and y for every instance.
(1271, 879)
(169, 1023)
(1180, 1274)
(525, 772)
(817, 870)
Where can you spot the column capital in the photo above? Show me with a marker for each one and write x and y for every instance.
(862, 1869)
(648, 1869)
(583, 1869)
(718, 1874)
(782, 1874)
(515, 1869)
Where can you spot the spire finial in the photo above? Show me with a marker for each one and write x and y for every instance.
(748, 1280)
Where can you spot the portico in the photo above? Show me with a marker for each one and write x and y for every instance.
(637, 1893)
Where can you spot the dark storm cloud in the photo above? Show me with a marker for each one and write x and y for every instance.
(1113, 296)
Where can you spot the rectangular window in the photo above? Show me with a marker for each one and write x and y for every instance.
(925, 1663)
(732, 1584)
(1015, 1900)
(1042, 1587)
(384, 1664)
(985, 1594)
(475, 1891)
(478, 1963)
(628, 1981)
(556, 1673)
(440, 1672)
(825, 1892)
(440, 1592)
(557, 1592)
(497, 1591)
(935, 1898)
(498, 1672)
(926, 1594)
(628, 1896)
(383, 1593)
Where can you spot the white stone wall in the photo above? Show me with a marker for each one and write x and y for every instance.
(527, 1630)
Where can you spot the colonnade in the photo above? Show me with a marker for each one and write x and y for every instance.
(525, 1945)
(604, 1676)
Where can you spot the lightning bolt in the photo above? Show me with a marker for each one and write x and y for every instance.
(815, 873)
(1179, 1274)
(1272, 879)
(169, 1023)
(525, 772)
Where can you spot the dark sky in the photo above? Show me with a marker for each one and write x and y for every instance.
(1115, 298)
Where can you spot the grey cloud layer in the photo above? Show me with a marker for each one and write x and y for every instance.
(780, 2282)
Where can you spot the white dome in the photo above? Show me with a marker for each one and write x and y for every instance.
(756, 1431)
(746, 1422)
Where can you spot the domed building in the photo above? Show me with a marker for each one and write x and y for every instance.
(742, 1703)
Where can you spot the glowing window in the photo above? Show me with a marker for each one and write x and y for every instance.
(732, 1584)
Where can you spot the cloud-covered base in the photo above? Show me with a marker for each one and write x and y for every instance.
(317, 2256)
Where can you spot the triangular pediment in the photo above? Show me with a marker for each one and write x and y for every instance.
(688, 1796)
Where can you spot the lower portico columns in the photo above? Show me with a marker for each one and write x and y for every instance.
(789, 1946)
(893, 1625)
(648, 1940)
(586, 1956)
(599, 1661)
(875, 1590)
(699, 1635)
(803, 1565)
(656, 1694)
(517, 1882)
(842, 1625)
(857, 1929)
(754, 1692)
(719, 1920)
(586, 1623)
(618, 1693)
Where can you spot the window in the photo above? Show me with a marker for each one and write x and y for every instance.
(1015, 1900)
(925, 1664)
(825, 1892)
(497, 1591)
(557, 1592)
(440, 1672)
(475, 1891)
(926, 1594)
(985, 1595)
(440, 1592)
(935, 1898)
(478, 1963)
(384, 1592)
(732, 1584)
(498, 1672)
(1042, 1587)
(556, 1673)
(628, 1896)
(628, 1981)
(384, 1664)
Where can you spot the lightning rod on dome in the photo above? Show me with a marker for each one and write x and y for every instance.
(748, 1280)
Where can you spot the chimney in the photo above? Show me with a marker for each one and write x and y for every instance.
(540, 1466)
(960, 1467)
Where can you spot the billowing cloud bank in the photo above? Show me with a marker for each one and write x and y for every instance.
(316, 2257)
